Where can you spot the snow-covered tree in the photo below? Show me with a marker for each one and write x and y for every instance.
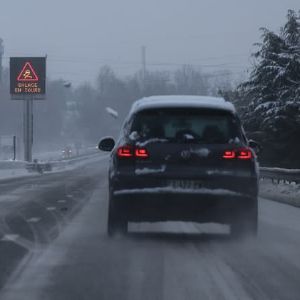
(273, 89)
(190, 81)
(291, 35)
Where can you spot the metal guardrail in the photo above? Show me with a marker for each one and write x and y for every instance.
(39, 167)
(275, 174)
(281, 175)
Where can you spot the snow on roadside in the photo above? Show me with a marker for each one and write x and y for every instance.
(15, 169)
(11, 169)
(282, 192)
(75, 163)
(7, 174)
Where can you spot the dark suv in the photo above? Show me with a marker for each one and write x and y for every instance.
(182, 158)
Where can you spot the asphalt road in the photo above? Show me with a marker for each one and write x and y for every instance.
(162, 261)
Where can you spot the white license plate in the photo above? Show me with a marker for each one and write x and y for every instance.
(185, 184)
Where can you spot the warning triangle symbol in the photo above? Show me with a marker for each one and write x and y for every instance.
(28, 73)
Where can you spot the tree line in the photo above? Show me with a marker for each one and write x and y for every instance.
(72, 115)
(269, 101)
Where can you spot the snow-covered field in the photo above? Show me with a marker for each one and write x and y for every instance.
(282, 192)
(12, 169)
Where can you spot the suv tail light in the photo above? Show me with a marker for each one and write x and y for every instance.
(244, 154)
(229, 154)
(125, 151)
(128, 152)
(141, 152)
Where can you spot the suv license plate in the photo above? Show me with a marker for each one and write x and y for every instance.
(185, 184)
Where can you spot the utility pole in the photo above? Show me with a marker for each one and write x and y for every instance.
(1, 56)
(143, 68)
(28, 128)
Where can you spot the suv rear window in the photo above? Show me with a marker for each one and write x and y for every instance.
(182, 125)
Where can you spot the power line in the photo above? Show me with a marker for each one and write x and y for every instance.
(136, 63)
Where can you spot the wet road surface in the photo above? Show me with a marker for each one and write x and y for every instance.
(159, 261)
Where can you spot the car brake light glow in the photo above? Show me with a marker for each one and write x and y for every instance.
(229, 154)
(244, 154)
(141, 152)
(129, 151)
(125, 151)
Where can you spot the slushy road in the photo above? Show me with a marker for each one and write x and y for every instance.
(160, 261)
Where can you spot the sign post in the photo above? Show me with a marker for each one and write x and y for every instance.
(28, 128)
(15, 147)
(28, 83)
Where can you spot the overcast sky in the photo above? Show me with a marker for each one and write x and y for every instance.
(80, 36)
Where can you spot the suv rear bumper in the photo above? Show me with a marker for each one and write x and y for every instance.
(233, 185)
(142, 205)
(220, 199)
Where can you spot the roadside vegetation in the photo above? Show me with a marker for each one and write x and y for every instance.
(268, 101)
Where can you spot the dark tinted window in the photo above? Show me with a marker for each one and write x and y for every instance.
(192, 125)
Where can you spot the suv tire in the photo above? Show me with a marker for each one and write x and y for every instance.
(246, 224)
(116, 224)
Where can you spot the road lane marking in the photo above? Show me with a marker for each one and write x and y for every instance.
(10, 237)
(33, 220)
(51, 208)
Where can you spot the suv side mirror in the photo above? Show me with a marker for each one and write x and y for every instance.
(255, 146)
(106, 144)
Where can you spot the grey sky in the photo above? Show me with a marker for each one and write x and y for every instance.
(80, 36)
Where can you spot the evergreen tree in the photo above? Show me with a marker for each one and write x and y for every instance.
(291, 35)
(265, 79)
(273, 91)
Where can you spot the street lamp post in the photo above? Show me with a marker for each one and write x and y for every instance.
(1, 56)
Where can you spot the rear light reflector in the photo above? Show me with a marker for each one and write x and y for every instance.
(229, 154)
(129, 151)
(244, 154)
(141, 152)
(125, 152)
